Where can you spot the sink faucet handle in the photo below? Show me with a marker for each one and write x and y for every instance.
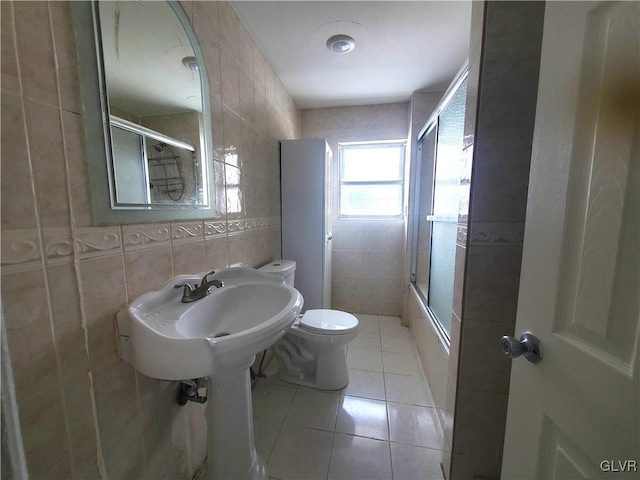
(204, 279)
(188, 289)
(206, 283)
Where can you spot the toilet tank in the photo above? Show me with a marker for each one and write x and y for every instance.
(284, 268)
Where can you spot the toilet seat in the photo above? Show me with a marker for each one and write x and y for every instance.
(327, 322)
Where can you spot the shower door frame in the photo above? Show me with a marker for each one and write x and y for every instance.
(432, 123)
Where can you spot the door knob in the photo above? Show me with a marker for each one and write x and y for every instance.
(528, 345)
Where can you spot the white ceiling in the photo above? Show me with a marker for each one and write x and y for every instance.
(143, 44)
(401, 47)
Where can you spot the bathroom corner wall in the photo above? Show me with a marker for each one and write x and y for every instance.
(367, 254)
(84, 413)
(502, 91)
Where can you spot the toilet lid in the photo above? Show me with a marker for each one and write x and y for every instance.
(328, 321)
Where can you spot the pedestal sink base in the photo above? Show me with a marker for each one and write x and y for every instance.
(260, 472)
(217, 337)
(231, 451)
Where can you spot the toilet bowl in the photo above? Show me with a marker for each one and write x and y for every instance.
(313, 352)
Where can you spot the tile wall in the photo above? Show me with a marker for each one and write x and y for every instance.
(470, 378)
(367, 255)
(83, 412)
(501, 102)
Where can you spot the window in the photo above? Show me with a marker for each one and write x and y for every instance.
(372, 179)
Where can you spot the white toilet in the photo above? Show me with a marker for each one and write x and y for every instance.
(313, 352)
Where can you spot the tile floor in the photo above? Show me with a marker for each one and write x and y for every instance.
(381, 426)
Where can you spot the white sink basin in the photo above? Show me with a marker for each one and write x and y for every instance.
(218, 337)
(170, 340)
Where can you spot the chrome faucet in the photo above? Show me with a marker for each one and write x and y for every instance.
(191, 294)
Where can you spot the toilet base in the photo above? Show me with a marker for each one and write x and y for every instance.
(331, 372)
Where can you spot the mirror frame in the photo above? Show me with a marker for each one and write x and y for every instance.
(98, 131)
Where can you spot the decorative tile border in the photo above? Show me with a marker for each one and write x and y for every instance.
(215, 229)
(235, 227)
(98, 241)
(138, 237)
(251, 224)
(186, 232)
(58, 245)
(496, 233)
(265, 222)
(20, 250)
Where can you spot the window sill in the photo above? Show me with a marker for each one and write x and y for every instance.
(369, 218)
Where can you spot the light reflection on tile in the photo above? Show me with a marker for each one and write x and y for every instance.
(363, 417)
(314, 409)
(415, 463)
(414, 425)
(357, 457)
(407, 389)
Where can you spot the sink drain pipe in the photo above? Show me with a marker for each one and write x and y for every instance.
(188, 391)
(256, 376)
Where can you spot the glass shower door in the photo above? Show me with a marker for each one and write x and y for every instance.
(446, 199)
(129, 166)
(440, 194)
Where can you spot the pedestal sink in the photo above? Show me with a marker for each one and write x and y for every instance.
(218, 337)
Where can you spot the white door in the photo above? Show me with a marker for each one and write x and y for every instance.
(576, 413)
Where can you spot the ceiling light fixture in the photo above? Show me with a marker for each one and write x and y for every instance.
(341, 44)
(191, 63)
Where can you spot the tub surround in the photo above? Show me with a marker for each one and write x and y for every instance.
(505, 50)
(470, 385)
(498, 133)
(433, 353)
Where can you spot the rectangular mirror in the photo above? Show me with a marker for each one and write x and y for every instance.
(147, 113)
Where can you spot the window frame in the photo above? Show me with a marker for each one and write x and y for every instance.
(371, 144)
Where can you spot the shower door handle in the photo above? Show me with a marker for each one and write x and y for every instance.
(528, 345)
